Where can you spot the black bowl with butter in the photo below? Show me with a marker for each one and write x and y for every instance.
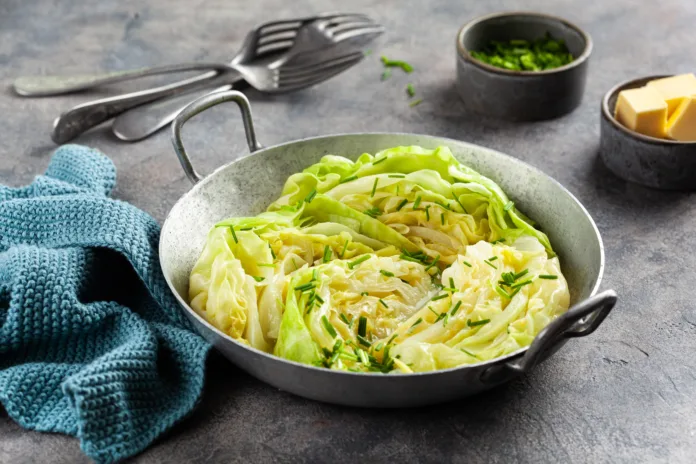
(654, 162)
(514, 94)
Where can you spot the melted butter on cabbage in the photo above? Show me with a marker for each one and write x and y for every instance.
(406, 261)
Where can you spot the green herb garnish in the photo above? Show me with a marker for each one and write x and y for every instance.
(439, 297)
(374, 187)
(364, 293)
(397, 176)
(410, 90)
(234, 235)
(548, 276)
(397, 64)
(420, 319)
(258, 279)
(381, 301)
(402, 204)
(373, 212)
(427, 213)
(466, 263)
(477, 323)
(386, 273)
(304, 287)
(343, 252)
(415, 102)
(455, 308)
(442, 218)
(344, 318)
(310, 196)
(327, 254)
(508, 206)
(522, 55)
(467, 352)
(490, 264)
(329, 327)
(348, 179)
(437, 258)
(265, 264)
(417, 202)
(363, 341)
(357, 262)
(362, 326)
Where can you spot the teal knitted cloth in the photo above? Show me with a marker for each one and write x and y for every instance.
(92, 343)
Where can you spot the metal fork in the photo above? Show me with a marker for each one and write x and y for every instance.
(143, 121)
(267, 38)
(280, 75)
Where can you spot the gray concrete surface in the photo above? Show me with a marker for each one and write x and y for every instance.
(625, 394)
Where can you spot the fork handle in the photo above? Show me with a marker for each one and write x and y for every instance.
(48, 86)
(88, 115)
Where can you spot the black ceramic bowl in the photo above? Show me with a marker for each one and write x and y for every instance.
(521, 95)
(658, 163)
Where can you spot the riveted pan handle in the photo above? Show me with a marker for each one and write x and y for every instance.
(200, 105)
(579, 321)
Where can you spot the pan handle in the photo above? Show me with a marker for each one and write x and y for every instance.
(569, 325)
(198, 106)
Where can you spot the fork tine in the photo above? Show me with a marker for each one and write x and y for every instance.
(345, 18)
(367, 34)
(309, 67)
(354, 26)
(273, 47)
(284, 35)
(292, 86)
(319, 69)
(296, 23)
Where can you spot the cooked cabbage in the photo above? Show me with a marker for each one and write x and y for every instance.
(405, 261)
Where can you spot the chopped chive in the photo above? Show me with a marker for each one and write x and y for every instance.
(386, 74)
(509, 206)
(490, 264)
(477, 323)
(443, 205)
(328, 326)
(410, 90)
(445, 320)
(439, 297)
(502, 292)
(326, 352)
(405, 281)
(451, 282)
(363, 341)
(364, 293)
(334, 356)
(327, 254)
(363, 357)
(294, 263)
(374, 187)
(433, 311)
(417, 202)
(376, 162)
(437, 258)
(396, 64)
(521, 284)
(265, 264)
(402, 204)
(500, 240)
(310, 197)
(361, 259)
(420, 319)
(234, 235)
(379, 346)
(520, 274)
(456, 308)
(415, 102)
(344, 318)
(373, 212)
(492, 258)
(386, 273)
(466, 263)
(381, 301)
(392, 338)
(303, 287)
(343, 252)
(362, 326)
(314, 275)
(442, 218)
(258, 279)
(410, 258)
(348, 179)
(397, 176)
(319, 299)
(272, 253)
(427, 213)
(460, 203)
(467, 352)
(548, 276)
(441, 316)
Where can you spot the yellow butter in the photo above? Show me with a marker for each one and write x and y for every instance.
(642, 110)
(682, 124)
(674, 89)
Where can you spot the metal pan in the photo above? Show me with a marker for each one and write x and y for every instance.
(246, 186)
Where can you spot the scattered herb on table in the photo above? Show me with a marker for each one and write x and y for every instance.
(524, 55)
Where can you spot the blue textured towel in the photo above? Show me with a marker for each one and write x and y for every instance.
(92, 343)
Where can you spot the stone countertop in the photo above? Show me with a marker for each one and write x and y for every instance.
(625, 394)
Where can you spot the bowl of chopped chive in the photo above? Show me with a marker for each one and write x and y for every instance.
(522, 66)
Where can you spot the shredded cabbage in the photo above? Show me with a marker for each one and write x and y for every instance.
(405, 261)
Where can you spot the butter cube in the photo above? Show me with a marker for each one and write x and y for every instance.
(642, 110)
(674, 89)
(682, 124)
